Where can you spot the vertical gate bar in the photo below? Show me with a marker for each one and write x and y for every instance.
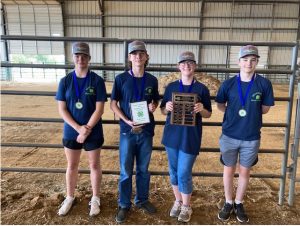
(288, 122)
(296, 151)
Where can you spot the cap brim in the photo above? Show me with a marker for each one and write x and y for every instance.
(186, 60)
(82, 53)
(250, 55)
(142, 50)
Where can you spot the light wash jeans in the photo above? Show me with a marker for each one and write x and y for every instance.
(180, 169)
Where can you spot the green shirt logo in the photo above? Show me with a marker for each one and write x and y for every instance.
(90, 91)
(256, 96)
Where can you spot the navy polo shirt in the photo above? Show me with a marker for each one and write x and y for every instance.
(185, 138)
(93, 91)
(248, 127)
(124, 93)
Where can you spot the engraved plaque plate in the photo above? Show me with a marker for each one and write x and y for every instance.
(183, 109)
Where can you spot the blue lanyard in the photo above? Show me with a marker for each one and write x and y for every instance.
(138, 95)
(78, 89)
(244, 98)
(181, 86)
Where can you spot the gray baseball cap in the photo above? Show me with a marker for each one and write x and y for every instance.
(186, 56)
(248, 50)
(136, 46)
(81, 47)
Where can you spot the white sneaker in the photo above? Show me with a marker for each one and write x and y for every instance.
(66, 206)
(95, 206)
(175, 211)
(185, 214)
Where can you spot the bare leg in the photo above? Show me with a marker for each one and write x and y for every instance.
(177, 193)
(244, 175)
(73, 158)
(186, 199)
(96, 172)
(228, 176)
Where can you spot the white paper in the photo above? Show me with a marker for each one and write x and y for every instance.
(139, 112)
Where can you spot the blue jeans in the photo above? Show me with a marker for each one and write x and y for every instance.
(139, 147)
(180, 169)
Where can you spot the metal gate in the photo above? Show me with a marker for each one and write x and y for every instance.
(287, 125)
(295, 152)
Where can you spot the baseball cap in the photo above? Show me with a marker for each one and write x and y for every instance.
(136, 46)
(186, 56)
(81, 47)
(248, 50)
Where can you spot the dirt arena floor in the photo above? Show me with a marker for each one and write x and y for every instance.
(33, 198)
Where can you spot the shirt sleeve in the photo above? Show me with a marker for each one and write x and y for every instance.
(61, 91)
(156, 93)
(101, 91)
(205, 99)
(221, 95)
(268, 95)
(116, 91)
(166, 97)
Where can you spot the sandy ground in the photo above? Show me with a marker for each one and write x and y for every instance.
(33, 198)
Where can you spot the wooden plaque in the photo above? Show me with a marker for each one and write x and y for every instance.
(183, 109)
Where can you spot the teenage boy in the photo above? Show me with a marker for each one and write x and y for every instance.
(136, 140)
(243, 98)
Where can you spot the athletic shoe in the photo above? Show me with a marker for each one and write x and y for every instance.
(147, 206)
(66, 206)
(95, 206)
(185, 214)
(241, 216)
(176, 208)
(121, 214)
(224, 214)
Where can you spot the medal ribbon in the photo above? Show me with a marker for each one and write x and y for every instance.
(181, 86)
(138, 95)
(244, 98)
(78, 89)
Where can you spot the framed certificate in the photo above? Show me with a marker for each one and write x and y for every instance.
(139, 112)
(183, 109)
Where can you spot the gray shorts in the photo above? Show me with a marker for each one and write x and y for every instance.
(231, 149)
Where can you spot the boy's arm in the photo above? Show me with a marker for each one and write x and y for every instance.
(265, 109)
(115, 108)
(221, 106)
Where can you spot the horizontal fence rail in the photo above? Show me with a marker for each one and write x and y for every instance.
(150, 41)
(58, 120)
(150, 69)
(115, 172)
(51, 93)
(116, 147)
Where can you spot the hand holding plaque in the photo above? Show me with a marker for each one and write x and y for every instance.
(183, 109)
(139, 112)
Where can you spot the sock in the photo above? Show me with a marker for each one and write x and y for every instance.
(238, 202)
(178, 201)
(229, 201)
